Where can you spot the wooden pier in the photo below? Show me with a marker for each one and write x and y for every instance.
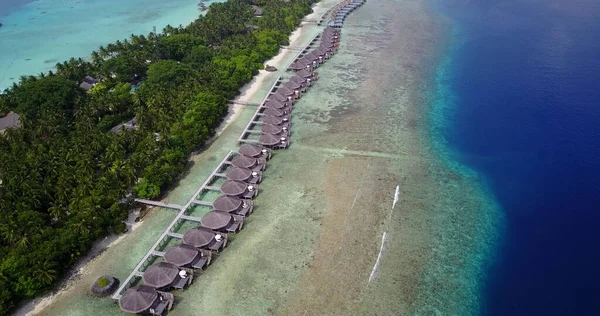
(159, 204)
(181, 216)
(255, 118)
(303, 50)
(156, 250)
(242, 103)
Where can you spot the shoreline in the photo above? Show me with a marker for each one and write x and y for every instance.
(38, 305)
(253, 87)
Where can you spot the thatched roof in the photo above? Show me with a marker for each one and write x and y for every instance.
(273, 112)
(138, 299)
(292, 85)
(319, 53)
(12, 119)
(233, 187)
(269, 139)
(271, 129)
(296, 66)
(298, 79)
(198, 237)
(216, 220)
(331, 30)
(227, 203)
(326, 44)
(284, 91)
(305, 61)
(160, 274)
(90, 80)
(275, 120)
(279, 97)
(274, 104)
(250, 151)
(304, 74)
(244, 162)
(312, 57)
(239, 174)
(181, 254)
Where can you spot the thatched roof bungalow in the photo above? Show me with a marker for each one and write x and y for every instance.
(11, 120)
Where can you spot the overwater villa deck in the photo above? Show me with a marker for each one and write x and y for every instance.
(227, 216)
(235, 180)
(270, 125)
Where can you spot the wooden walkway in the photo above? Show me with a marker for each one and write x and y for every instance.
(167, 233)
(255, 118)
(242, 103)
(303, 50)
(159, 204)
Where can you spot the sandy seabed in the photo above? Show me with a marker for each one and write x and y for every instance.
(312, 243)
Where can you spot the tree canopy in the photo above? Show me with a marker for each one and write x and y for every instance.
(66, 173)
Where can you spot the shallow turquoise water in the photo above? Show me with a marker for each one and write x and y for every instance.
(37, 35)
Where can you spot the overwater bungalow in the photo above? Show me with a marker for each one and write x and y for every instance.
(144, 299)
(286, 110)
(232, 204)
(300, 80)
(300, 64)
(239, 189)
(308, 75)
(274, 141)
(328, 47)
(11, 120)
(255, 164)
(205, 238)
(222, 221)
(275, 130)
(296, 66)
(283, 90)
(331, 30)
(244, 175)
(276, 112)
(255, 152)
(187, 256)
(314, 58)
(287, 100)
(275, 120)
(329, 41)
(164, 275)
(321, 54)
(294, 86)
(275, 104)
(331, 37)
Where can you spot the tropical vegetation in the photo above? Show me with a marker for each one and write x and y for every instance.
(66, 173)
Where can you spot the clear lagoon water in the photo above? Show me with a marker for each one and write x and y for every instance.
(38, 34)
(524, 81)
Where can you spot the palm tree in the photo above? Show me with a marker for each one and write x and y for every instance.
(45, 272)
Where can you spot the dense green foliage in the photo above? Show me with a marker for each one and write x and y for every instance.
(65, 175)
(102, 282)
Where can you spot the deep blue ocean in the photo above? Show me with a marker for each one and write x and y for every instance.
(526, 77)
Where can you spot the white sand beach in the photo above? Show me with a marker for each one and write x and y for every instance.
(254, 86)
